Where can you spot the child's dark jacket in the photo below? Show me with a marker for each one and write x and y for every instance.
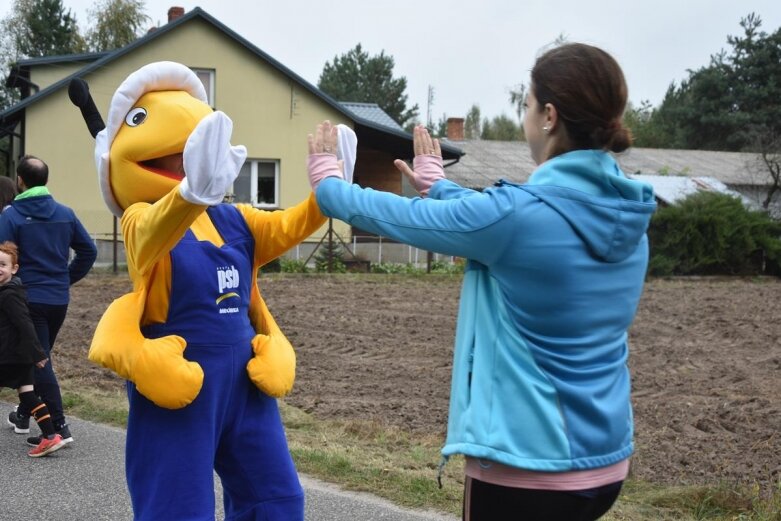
(18, 341)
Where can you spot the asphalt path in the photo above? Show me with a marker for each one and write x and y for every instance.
(85, 481)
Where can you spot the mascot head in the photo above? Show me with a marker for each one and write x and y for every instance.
(139, 152)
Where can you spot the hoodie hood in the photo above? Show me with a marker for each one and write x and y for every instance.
(39, 207)
(13, 284)
(587, 188)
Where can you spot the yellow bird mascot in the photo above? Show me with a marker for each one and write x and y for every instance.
(203, 356)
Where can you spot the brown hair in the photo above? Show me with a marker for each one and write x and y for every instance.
(588, 89)
(7, 191)
(10, 249)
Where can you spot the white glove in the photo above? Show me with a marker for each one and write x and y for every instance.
(347, 150)
(211, 164)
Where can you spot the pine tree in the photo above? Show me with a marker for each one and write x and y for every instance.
(356, 76)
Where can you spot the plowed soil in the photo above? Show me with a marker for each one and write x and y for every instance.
(705, 359)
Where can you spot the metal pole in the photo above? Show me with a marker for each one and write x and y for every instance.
(330, 245)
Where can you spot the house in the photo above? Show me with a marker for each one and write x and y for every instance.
(672, 173)
(272, 108)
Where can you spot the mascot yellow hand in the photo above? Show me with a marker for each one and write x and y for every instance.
(157, 366)
(273, 368)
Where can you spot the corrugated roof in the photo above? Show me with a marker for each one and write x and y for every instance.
(732, 168)
(673, 189)
(485, 162)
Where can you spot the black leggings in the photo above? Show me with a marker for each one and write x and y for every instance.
(487, 502)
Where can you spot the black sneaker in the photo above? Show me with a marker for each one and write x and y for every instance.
(63, 431)
(19, 422)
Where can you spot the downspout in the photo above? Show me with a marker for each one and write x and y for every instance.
(23, 134)
(9, 153)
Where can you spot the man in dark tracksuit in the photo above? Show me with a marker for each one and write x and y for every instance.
(45, 232)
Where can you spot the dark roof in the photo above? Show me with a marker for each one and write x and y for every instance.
(19, 75)
(62, 58)
(371, 112)
(449, 152)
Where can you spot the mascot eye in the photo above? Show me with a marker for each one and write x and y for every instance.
(136, 116)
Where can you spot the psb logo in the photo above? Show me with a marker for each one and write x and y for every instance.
(227, 279)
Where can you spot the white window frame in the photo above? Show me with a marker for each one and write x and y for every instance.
(210, 73)
(253, 177)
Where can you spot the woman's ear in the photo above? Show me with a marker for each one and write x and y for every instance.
(551, 117)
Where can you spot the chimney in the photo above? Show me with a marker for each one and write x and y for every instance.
(455, 129)
(174, 13)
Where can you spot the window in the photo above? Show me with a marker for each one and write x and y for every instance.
(207, 78)
(258, 183)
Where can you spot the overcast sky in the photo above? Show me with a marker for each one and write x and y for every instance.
(474, 51)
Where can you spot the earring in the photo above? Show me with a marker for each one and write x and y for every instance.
(546, 128)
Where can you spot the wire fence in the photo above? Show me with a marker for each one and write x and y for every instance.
(374, 249)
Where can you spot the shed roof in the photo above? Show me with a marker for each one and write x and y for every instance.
(485, 162)
(732, 168)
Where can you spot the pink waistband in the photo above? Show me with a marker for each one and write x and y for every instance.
(498, 474)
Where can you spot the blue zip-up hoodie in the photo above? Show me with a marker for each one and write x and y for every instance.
(555, 272)
(45, 231)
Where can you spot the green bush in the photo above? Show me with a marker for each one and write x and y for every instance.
(395, 267)
(293, 266)
(449, 268)
(711, 233)
(330, 253)
(274, 266)
(440, 267)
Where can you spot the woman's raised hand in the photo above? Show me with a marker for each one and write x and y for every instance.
(322, 161)
(427, 162)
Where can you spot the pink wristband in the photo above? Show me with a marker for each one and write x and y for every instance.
(321, 166)
(428, 170)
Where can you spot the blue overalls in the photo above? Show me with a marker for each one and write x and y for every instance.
(231, 426)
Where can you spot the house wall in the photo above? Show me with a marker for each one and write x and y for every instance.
(271, 114)
(375, 169)
(45, 75)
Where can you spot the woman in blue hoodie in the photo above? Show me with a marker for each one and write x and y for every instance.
(539, 400)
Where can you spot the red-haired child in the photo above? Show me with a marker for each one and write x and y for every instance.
(20, 351)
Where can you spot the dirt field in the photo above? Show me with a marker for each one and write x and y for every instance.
(705, 359)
